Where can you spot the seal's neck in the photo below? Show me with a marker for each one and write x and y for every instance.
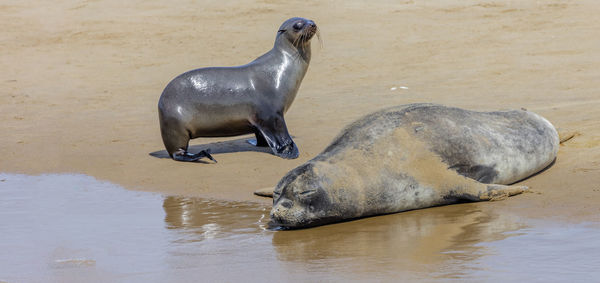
(300, 51)
(289, 65)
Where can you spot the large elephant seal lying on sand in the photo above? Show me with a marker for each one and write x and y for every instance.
(415, 156)
(230, 101)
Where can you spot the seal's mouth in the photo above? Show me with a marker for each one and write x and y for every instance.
(279, 224)
(307, 34)
(310, 31)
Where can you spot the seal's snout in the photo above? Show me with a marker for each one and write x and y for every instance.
(311, 27)
(312, 30)
(280, 212)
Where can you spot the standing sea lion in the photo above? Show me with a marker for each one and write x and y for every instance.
(415, 156)
(230, 101)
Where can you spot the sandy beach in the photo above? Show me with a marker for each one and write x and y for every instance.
(81, 81)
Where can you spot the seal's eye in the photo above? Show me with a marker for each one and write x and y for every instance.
(307, 196)
(308, 192)
(298, 25)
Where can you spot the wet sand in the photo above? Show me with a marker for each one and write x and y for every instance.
(81, 81)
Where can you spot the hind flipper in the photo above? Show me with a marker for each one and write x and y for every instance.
(183, 155)
(565, 135)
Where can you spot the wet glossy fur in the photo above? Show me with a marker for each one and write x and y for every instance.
(229, 101)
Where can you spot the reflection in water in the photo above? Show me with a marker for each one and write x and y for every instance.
(200, 219)
(72, 228)
(410, 242)
(215, 237)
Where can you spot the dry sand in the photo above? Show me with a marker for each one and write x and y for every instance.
(81, 81)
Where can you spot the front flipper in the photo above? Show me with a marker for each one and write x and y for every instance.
(499, 192)
(492, 192)
(260, 141)
(275, 133)
(183, 155)
(481, 173)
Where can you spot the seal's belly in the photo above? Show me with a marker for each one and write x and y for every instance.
(205, 120)
(221, 128)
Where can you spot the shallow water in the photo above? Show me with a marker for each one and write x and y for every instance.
(73, 228)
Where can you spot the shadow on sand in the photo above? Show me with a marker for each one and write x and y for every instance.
(237, 145)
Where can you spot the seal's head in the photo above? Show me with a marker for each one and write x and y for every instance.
(303, 198)
(298, 31)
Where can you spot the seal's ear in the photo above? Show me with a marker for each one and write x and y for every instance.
(281, 31)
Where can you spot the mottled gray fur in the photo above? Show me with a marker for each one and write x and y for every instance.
(415, 156)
